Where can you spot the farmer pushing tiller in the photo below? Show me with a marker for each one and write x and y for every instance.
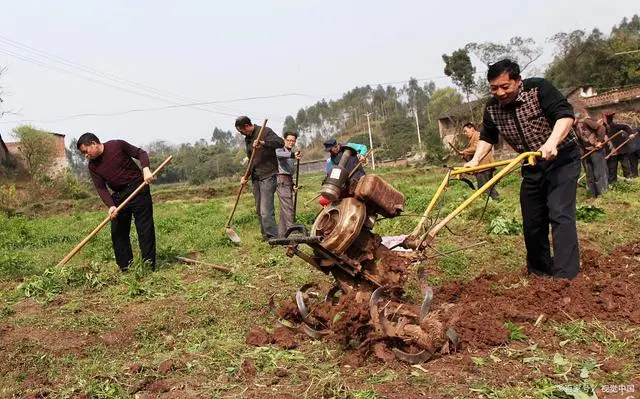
(529, 114)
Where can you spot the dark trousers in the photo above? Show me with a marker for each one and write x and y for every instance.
(285, 196)
(595, 167)
(633, 162)
(263, 192)
(548, 196)
(141, 208)
(483, 178)
(612, 164)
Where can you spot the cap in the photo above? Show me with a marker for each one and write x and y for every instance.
(329, 144)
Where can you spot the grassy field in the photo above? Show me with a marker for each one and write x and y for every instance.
(85, 330)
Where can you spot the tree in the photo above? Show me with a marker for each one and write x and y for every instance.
(224, 138)
(524, 51)
(290, 124)
(444, 99)
(459, 68)
(37, 147)
(78, 163)
(401, 134)
(596, 59)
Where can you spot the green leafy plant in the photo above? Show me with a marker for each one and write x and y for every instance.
(589, 213)
(503, 226)
(515, 332)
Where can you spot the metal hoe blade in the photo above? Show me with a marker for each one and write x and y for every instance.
(233, 236)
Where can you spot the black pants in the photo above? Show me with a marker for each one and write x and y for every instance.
(612, 165)
(141, 208)
(596, 169)
(548, 196)
(633, 162)
(483, 178)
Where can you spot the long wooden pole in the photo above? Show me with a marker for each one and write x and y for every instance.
(246, 175)
(615, 150)
(603, 143)
(295, 190)
(199, 262)
(107, 219)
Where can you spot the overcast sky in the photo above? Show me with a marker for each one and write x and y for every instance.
(67, 58)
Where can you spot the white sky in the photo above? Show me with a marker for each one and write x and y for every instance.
(218, 51)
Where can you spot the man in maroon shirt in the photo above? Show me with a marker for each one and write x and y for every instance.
(111, 165)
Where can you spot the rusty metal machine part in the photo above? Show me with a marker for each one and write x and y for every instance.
(380, 196)
(340, 224)
(338, 178)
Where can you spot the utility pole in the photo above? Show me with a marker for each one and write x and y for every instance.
(415, 114)
(373, 161)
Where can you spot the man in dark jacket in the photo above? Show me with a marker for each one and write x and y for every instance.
(532, 115)
(622, 155)
(263, 172)
(111, 165)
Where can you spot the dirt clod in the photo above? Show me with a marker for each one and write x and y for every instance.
(258, 337)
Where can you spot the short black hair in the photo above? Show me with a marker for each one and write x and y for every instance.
(87, 139)
(243, 121)
(287, 134)
(470, 125)
(502, 66)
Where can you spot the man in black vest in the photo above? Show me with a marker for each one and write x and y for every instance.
(532, 115)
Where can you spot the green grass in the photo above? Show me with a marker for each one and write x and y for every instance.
(199, 316)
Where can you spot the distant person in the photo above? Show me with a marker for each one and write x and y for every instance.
(286, 170)
(621, 156)
(336, 150)
(634, 152)
(111, 167)
(263, 172)
(482, 177)
(532, 115)
(592, 134)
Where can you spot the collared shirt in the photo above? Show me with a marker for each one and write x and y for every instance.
(114, 168)
(590, 132)
(471, 150)
(527, 123)
(285, 161)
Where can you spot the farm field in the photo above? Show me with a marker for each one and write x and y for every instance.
(85, 330)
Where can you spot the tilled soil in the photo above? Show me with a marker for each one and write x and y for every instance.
(606, 289)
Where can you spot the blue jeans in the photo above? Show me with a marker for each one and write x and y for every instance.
(263, 192)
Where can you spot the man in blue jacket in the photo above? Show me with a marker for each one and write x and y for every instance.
(336, 150)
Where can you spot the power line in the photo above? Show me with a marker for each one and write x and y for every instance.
(175, 106)
(129, 86)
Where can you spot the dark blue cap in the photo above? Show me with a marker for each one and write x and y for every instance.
(329, 144)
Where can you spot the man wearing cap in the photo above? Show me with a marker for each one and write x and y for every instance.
(532, 115)
(336, 150)
(285, 181)
(621, 155)
(263, 172)
(592, 133)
